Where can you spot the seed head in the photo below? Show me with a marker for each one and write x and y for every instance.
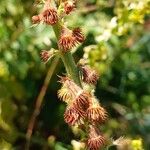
(72, 93)
(95, 112)
(90, 75)
(69, 6)
(72, 116)
(67, 41)
(50, 16)
(81, 101)
(46, 55)
(64, 95)
(77, 33)
(95, 139)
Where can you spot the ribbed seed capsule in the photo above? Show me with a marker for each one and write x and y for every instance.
(95, 140)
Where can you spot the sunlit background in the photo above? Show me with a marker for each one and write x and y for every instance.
(117, 45)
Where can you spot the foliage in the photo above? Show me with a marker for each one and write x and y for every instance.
(117, 46)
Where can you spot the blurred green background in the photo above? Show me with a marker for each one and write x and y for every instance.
(117, 45)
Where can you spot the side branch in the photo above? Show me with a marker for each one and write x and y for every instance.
(40, 100)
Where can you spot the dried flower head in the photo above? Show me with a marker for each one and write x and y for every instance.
(95, 139)
(72, 116)
(64, 95)
(81, 100)
(90, 75)
(67, 41)
(72, 93)
(50, 16)
(46, 55)
(77, 33)
(95, 112)
(69, 6)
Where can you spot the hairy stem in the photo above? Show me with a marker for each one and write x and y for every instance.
(68, 59)
(71, 67)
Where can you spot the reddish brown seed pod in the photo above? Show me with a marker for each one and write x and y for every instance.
(46, 55)
(66, 41)
(95, 140)
(90, 75)
(77, 33)
(72, 116)
(81, 101)
(69, 6)
(96, 113)
(72, 93)
(50, 16)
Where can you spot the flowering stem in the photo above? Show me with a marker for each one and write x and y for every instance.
(68, 60)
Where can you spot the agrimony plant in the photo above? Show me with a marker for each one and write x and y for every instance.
(83, 109)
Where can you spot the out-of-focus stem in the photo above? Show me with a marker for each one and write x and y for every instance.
(40, 100)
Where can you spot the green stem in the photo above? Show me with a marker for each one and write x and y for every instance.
(71, 67)
(68, 59)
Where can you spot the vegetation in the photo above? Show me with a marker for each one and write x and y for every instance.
(116, 45)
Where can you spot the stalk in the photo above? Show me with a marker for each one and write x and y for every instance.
(81, 104)
(68, 59)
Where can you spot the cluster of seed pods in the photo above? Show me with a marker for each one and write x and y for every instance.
(82, 105)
